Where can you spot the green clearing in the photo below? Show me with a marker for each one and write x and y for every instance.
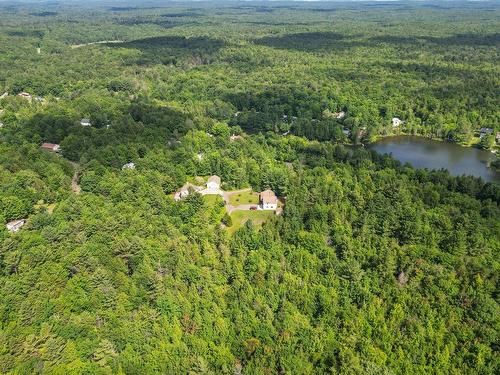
(247, 197)
(241, 217)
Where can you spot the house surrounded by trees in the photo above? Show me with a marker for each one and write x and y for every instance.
(268, 200)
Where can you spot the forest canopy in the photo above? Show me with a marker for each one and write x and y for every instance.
(371, 266)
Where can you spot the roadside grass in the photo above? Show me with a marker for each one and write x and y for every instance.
(247, 197)
(239, 218)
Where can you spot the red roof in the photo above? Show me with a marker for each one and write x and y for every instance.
(50, 146)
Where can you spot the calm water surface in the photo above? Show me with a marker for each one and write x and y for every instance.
(425, 153)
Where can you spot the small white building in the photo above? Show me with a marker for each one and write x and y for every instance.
(4, 95)
(51, 147)
(234, 137)
(213, 183)
(85, 122)
(339, 115)
(268, 200)
(396, 122)
(129, 166)
(1, 124)
(25, 95)
(15, 225)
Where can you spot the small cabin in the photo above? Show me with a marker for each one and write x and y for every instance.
(85, 122)
(485, 131)
(234, 137)
(213, 183)
(15, 225)
(128, 166)
(51, 147)
(339, 115)
(25, 95)
(396, 122)
(268, 200)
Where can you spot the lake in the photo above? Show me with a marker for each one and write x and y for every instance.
(426, 153)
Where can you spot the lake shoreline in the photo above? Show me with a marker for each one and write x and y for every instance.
(425, 152)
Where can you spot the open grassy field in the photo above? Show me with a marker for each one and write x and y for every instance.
(247, 197)
(241, 217)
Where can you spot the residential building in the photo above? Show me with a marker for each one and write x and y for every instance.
(485, 131)
(339, 115)
(25, 95)
(213, 183)
(129, 166)
(396, 122)
(85, 122)
(51, 147)
(234, 137)
(15, 225)
(268, 200)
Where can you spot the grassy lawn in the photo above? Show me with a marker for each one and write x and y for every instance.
(247, 197)
(240, 217)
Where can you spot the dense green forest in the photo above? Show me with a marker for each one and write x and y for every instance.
(373, 267)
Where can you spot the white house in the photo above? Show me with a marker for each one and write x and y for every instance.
(4, 95)
(1, 124)
(15, 225)
(51, 147)
(213, 183)
(25, 95)
(129, 166)
(85, 122)
(234, 137)
(339, 115)
(268, 200)
(396, 122)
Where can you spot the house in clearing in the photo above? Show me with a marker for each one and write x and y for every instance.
(235, 137)
(25, 95)
(339, 115)
(396, 122)
(213, 183)
(15, 225)
(85, 122)
(485, 131)
(268, 200)
(1, 124)
(51, 147)
(128, 166)
(497, 138)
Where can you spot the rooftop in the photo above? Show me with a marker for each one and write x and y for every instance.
(268, 197)
(214, 179)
